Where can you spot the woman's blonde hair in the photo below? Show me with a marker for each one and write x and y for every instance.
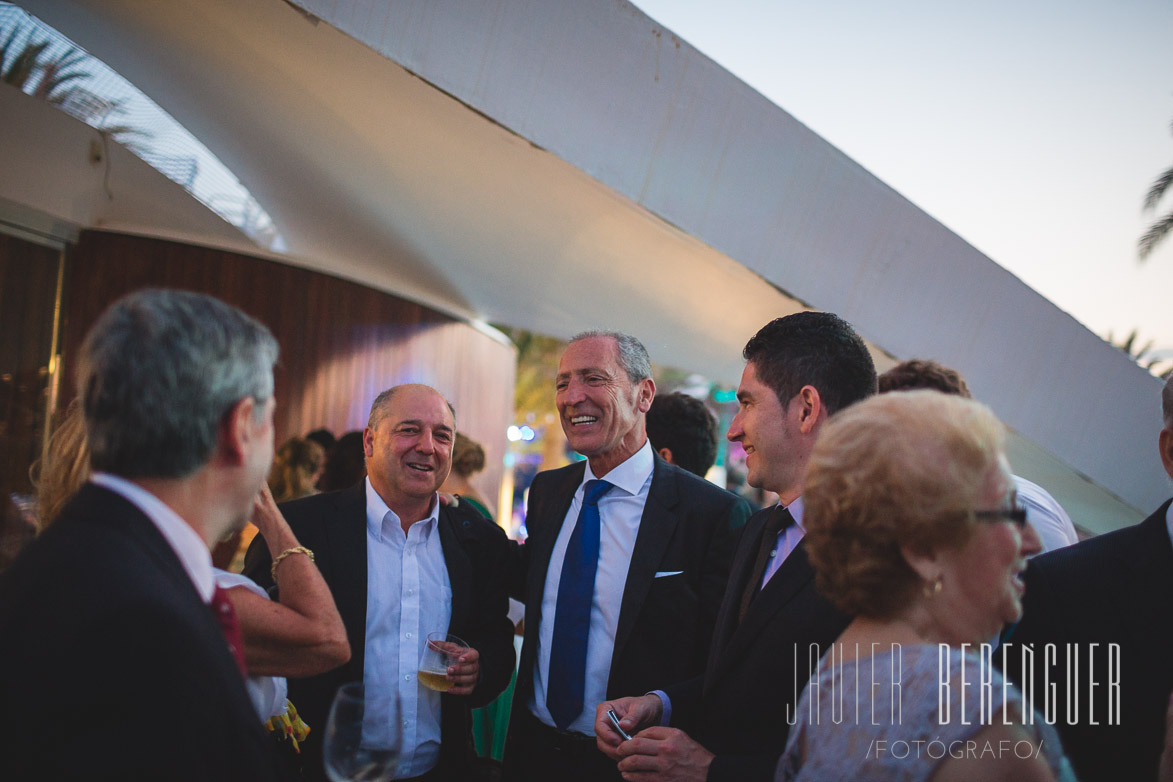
(897, 470)
(65, 466)
(295, 467)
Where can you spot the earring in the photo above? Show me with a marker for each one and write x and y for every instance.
(933, 588)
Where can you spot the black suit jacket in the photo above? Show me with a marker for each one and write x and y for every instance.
(742, 708)
(334, 527)
(111, 665)
(665, 624)
(1114, 588)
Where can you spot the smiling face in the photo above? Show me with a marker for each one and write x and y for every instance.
(602, 411)
(982, 585)
(409, 451)
(775, 450)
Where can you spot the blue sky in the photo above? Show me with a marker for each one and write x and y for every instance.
(1031, 129)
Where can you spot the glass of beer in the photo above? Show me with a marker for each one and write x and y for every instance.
(442, 650)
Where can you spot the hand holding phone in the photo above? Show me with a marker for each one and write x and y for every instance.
(614, 718)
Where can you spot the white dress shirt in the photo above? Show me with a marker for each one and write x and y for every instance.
(1169, 523)
(620, 511)
(188, 546)
(408, 596)
(788, 540)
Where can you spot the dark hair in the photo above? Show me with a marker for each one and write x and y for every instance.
(323, 437)
(346, 463)
(157, 374)
(924, 373)
(683, 425)
(817, 349)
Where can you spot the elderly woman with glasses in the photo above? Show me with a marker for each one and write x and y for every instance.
(913, 529)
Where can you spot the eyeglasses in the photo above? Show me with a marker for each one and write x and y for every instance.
(1016, 514)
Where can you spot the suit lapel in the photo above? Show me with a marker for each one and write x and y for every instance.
(347, 534)
(547, 522)
(739, 573)
(459, 569)
(786, 584)
(656, 527)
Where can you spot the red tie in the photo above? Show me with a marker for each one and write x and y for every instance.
(230, 626)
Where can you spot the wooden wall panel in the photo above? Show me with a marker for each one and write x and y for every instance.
(341, 343)
(28, 290)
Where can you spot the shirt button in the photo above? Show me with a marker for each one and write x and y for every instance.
(407, 677)
(409, 635)
(406, 723)
(411, 591)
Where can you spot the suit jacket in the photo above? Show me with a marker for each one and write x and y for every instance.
(111, 665)
(742, 708)
(665, 624)
(334, 527)
(1114, 588)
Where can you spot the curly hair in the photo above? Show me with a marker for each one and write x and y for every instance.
(468, 457)
(295, 465)
(894, 471)
(924, 373)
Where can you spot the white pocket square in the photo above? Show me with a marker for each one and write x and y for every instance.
(666, 573)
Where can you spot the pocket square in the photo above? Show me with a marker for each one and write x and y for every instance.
(666, 573)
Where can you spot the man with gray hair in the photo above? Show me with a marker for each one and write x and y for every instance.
(116, 649)
(1113, 589)
(401, 566)
(623, 571)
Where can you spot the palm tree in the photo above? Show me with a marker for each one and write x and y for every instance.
(1158, 230)
(19, 66)
(1143, 355)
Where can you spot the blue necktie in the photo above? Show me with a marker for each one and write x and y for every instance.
(572, 617)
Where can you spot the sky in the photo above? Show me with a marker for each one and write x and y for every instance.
(1031, 129)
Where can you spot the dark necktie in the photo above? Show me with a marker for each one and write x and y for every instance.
(779, 520)
(229, 625)
(572, 616)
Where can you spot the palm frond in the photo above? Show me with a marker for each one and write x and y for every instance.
(1157, 190)
(1154, 235)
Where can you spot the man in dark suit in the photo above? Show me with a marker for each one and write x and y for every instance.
(113, 665)
(732, 722)
(1106, 604)
(624, 567)
(401, 565)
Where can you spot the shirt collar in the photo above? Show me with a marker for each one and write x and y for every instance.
(1169, 522)
(381, 520)
(631, 474)
(188, 546)
(795, 509)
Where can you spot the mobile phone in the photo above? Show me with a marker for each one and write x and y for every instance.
(611, 715)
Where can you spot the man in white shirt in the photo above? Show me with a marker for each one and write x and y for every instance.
(623, 570)
(112, 663)
(401, 566)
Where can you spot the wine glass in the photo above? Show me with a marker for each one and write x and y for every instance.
(349, 755)
(441, 651)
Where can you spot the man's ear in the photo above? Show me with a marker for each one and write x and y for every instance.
(646, 391)
(368, 441)
(238, 430)
(666, 455)
(809, 409)
(1166, 443)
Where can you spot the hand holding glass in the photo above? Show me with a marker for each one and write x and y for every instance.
(441, 652)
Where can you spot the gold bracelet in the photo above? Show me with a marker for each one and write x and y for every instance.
(286, 553)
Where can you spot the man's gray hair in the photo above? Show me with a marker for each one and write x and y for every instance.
(1167, 402)
(633, 356)
(158, 372)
